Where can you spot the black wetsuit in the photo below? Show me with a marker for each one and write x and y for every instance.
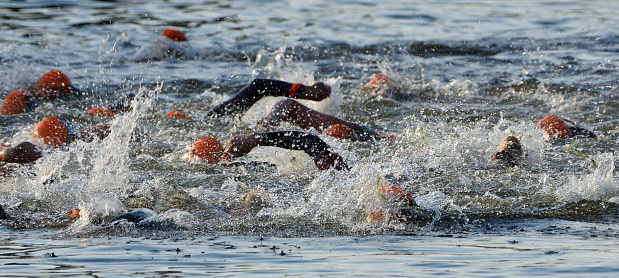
(579, 131)
(3, 214)
(251, 94)
(296, 140)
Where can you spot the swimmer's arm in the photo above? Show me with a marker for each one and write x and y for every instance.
(260, 88)
(579, 131)
(289, 110)
(23, 152)
(241, 145)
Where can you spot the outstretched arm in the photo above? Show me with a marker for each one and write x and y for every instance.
(292, 111)
(260, 88)
(311, 144)
(289, 110)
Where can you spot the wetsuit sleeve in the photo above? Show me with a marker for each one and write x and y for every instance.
(296, 140)
(251, 94)
(579, 131)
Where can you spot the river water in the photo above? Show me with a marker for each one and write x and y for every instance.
(475, 71)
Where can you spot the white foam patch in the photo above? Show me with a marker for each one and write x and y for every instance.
(601, 185)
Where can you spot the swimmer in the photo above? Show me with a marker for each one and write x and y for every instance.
(509, 154)
(397, 205)
(55, 132)
(383, 85)
(211, 151)
(555, 127)
(178, 114)
(17, 102)
(260, 88)
(121, 106)
(252, 204)
(53, 84)
(289, 110)
(171, 43)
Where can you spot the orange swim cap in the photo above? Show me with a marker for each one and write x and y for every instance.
(53, 131)
(17, 102)
(174, 35)
(53, 84)
(74, 214)
(177, 114)
(339, 131)
(101, 111)
(380, 79)
(207, 149)
(554, 128)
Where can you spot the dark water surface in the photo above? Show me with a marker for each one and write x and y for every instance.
(475, 72)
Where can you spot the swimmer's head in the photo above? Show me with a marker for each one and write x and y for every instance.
(17, 102)
(101, 111)
(340, 131)
(53, 84)
(400, 207)
(380, 82)
(509, 154)
(207, 149)
(553, 128)
(52, 132)
(174, 35)
(177, 114)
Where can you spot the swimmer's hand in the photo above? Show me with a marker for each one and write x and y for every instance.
(329, 159)
(317, 92)
(365, 133)
(23, 152)
(241, 145)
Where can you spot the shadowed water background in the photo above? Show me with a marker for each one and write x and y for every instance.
(475, 72)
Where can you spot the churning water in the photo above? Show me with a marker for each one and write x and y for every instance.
(475, 71)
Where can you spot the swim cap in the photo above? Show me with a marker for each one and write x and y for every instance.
(207, 149)
(339, 131)
(177, 114)
(53, 84)
(174, 35)
(53, 131)
(380, 79)
(101, 111)
(554, 128)
(74, 214)
(17, 102)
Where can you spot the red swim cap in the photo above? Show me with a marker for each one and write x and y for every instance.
(339, 131)
(177, 114)
(101, 111)
(17, 102)
(207, 149)
(174, 35)
(53, 131)
(554, 128)
(53, 84)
